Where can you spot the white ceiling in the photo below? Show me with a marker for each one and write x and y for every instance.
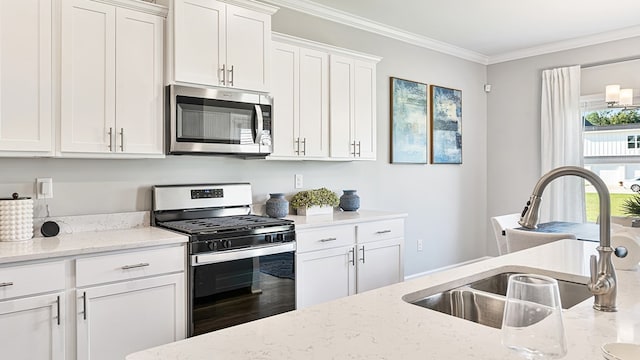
(487, 31)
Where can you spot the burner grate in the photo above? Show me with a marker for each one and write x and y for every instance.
(225, 223)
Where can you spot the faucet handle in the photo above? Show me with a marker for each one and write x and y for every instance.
(593, 262)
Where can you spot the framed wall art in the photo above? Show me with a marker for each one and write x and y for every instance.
(408, 122)
(446, 125)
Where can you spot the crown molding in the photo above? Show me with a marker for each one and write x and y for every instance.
(341, 17)
(567, 45)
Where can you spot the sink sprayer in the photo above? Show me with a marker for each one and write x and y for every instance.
(603, 282)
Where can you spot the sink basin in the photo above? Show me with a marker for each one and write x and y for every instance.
(482, 299)
(571, 293)
(476, 306)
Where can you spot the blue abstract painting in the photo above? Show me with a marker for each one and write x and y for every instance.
(408, 122)
(446, 125)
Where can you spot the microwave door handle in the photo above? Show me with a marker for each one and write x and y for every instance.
(260, 123)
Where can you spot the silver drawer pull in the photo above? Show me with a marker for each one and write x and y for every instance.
(383, 232)
(328, 239)
(127, 267)
(9, 283)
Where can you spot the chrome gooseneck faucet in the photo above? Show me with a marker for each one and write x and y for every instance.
(603, 282)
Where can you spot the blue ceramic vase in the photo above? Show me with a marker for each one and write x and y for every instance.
(349, 201)
(277, 206)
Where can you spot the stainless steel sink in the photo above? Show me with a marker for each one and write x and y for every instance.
(476, 306)
(571, 293)
(482, 299)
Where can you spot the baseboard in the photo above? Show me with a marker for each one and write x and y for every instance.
(413, 276)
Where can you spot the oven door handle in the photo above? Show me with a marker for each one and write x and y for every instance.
(230, 255)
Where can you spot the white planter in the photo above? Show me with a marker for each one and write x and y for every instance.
(315, 210)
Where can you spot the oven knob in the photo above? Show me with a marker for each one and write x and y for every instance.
(225, 244)
(268, 238)
(280, 237)
(211, 245)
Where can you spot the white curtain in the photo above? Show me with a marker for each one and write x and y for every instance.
(561, 143)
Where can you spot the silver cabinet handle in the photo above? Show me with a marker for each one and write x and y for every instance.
(58, 308)
(297, 142)
(383, 232)
(110, 133)
(359, 149)
(231, 76)
(122, 139)
(5, 284)
(354, 148)
(127, 267)
(304, 146)
(84, 305)
(328, 239)
(362, 248)
(352, 256)
(224, 75)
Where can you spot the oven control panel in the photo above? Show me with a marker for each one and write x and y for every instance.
(207, 193)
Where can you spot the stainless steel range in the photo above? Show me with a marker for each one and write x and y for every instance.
(241, 266)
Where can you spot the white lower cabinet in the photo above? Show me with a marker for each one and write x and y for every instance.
(324, 275)
(118, 303)
(340, 260)
(33, 328)
(127, 302)
(117, 319)
(32, 307)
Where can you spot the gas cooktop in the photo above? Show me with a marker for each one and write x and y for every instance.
(223, 224)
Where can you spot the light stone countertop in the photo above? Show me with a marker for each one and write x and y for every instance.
(343, 218)
(88, 242)
(379, 325)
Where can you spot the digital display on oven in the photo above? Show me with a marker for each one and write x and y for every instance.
(207, 193)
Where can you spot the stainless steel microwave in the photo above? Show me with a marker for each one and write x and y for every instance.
(217, 121)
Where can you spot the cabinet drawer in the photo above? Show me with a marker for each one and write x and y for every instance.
(380, 230)
(30, 279)
(325, 238)
(126, 266)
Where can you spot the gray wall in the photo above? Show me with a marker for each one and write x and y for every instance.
(446, 203)
(513, 120)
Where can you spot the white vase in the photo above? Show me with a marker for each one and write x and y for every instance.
(314, 210)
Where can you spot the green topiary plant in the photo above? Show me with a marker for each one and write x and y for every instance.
(317, 197)
(631, 206)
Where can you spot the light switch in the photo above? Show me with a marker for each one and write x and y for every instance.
(44, 188)
(298, 181)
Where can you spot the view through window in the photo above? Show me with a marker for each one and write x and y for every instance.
(611, 150)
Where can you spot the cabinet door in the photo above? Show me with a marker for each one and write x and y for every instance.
(248, 49)
(139, 87)
(314, 103)
(342, 110)
(199, 41)
(285, 68)
(33, 328)
(118, 319)
(88, 77)
(25, 75)
(379, 264)
(364, 120)
(324, 275)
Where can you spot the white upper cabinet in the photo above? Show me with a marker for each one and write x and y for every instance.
(324, 101)
(111, 83)
(219, 44)
(26, 78)
(301, 102)
(353, 108)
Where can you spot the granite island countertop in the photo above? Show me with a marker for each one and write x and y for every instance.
(378, 324)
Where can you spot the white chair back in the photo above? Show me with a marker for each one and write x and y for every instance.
(500, 223)
(523, 239)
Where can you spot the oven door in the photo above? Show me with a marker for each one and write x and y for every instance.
(218, 121)
(228, 288)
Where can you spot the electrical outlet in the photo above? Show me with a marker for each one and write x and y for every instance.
(298, 181)
(419, 244)
(44, 188)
